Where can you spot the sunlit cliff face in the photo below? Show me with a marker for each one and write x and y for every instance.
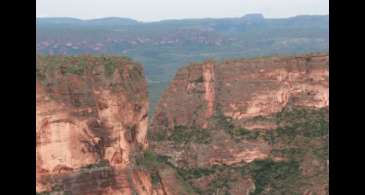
(92, 125)
(243, 89)
(250, 93)
(90, 120)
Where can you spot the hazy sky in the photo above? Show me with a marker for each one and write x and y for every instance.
(153, 10)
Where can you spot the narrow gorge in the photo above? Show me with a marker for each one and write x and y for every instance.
(245, 126)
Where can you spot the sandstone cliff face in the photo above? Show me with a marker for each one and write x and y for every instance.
(91, 118)
(240, 115)
(255, 126)
(243, 89)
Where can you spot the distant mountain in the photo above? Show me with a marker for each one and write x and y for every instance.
(254, 17)
(58, 20)
(165, 46)
(74, 21)
(112, 21)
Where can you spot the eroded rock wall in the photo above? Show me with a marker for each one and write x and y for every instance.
(218, 118)
(238, 127)
(243, 89)
(91, 118)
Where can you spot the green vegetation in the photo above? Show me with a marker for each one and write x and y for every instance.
(222, 121)
(225, 123)
(109, 67)
(158, 136)
(47, 64)
(39, 74)
(188, 174)
(299, 121)
(270, 137)
(186, 185)
(52, 71)
(279, 176)
(151, 162)
(242, 133)
(294, 153)
(77, 69)
(238, 131)
(199, 80)
(321, 152)
(43, 193)
(99, 164)
(219, 183)
(57, 188)
(182, 134)
(300, 139)
(54, 192)
(309, 127)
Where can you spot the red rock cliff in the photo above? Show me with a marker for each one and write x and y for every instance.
(231, 114)
(243, 89)
(91, 119)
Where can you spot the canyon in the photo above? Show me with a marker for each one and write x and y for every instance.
(165, 46)
(243, 126)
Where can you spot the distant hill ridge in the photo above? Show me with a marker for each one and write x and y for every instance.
(116, 20)
(98, 21)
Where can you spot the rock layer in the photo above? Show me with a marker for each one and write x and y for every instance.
(91, 118)
(236, 127)
(243, 89)
(219, 117)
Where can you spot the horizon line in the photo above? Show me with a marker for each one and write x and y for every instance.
(146, 21)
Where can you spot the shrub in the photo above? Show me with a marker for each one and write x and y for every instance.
(276, 174)
(194, 173)
(155, 178)
(316, 128)
(199, 80)
(293, 153)
(77, 69)
(222, 121)
(221, 183)
(306, 122)
(225, 123)
(242, 133)
(182, 134)
(99, 164)
(270, 137)
(151, 162)
(322, 152)
(109, 67)
(159, 136)
(239, 132)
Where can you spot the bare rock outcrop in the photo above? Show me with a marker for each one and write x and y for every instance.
(250, 116)
(91, 118)
(242, 90)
